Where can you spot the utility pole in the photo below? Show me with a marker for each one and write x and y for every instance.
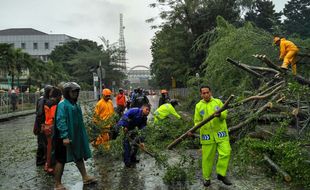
(100, 74)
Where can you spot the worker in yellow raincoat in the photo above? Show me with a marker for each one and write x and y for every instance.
(165, 110)
(288, 53)
(213, 137)
(104, 110)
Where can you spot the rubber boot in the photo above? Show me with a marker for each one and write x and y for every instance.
(224, 179)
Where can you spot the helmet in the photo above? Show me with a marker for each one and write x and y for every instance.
(276, 39)
(174, 102)
(72, 86)
(163, 91)
(47, 89)
(120, 90)
(106, 92)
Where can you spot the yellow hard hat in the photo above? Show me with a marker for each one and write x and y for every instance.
(276, 39)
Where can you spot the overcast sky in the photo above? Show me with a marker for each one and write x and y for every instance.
(89, 19)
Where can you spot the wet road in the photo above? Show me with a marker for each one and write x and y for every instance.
(18, 170)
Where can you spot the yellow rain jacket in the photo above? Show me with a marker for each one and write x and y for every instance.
(164, 111)
(103, 111)
(286, 46)
(215, 130)
(288, 52)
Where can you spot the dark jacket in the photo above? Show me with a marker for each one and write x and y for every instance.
(133, 118)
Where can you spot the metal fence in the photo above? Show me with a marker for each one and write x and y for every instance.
(27, 101)
(178, 93)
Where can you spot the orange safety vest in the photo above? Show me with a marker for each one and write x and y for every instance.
(49, 114)
(120, 100)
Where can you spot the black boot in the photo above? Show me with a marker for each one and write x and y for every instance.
(134, 160)
(224, 179)
(206, 183)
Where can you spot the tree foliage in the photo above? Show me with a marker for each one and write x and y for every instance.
(264, 16)
(80, 58)
(14, 62)
(183, 22)
(239, 44)
(297, 21)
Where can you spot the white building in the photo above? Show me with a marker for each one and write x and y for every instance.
(34, 42)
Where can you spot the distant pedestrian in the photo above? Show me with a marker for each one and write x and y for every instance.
(164, 98)
(139, 99)
(120, 102)
(71, 140)
(14, 99)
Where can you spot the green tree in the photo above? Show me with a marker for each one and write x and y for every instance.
(263, 15)
(13, 62)
(297, 21)
(80, 58)
(239, 44)
(170, 56)
(183, 22)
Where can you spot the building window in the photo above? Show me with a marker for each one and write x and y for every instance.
(35, 45)
(46, 45)
(23, 45)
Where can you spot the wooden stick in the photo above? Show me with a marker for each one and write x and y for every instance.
(193, 129)
(141, 147)
(285, 175)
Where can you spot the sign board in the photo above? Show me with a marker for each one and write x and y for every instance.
(96, 78)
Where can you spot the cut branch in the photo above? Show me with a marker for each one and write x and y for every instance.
(244, 67)
(267, 61)
(251, 118)
(285, 175)
(263, 69)
(257, 97)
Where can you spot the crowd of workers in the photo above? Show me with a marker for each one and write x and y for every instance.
(62, 137)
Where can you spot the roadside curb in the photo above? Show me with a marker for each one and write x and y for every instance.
(8, 116)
